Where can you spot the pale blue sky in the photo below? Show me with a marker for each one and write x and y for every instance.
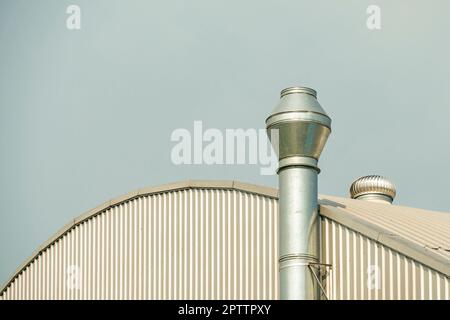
(87, 115)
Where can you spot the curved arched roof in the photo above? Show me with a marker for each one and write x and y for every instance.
(419, 234)
(183, 185)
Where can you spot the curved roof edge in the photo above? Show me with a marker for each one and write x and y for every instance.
(380, 235)
(182, 185)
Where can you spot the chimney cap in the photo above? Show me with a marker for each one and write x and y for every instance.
(373, 188)
(297, 104)
(301, 127)
(298, 90)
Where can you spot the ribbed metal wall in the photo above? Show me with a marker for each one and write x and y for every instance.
(187, 244)
(364, 269)
(202, 243)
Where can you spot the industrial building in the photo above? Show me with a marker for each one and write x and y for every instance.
(232, 240)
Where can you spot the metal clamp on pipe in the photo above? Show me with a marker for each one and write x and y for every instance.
(291, 260)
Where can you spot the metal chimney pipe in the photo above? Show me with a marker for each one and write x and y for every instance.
(298, 129)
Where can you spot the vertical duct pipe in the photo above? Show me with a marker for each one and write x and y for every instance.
(298, 129)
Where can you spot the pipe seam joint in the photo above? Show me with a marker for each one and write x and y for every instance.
(298, 161)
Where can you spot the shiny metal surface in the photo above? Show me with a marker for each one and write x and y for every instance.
(306, 139)
(298, 233)
(373, 188)
(298, 90)
(302, 128)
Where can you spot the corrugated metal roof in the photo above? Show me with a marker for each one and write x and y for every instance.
(420, 234)
(194, 243)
